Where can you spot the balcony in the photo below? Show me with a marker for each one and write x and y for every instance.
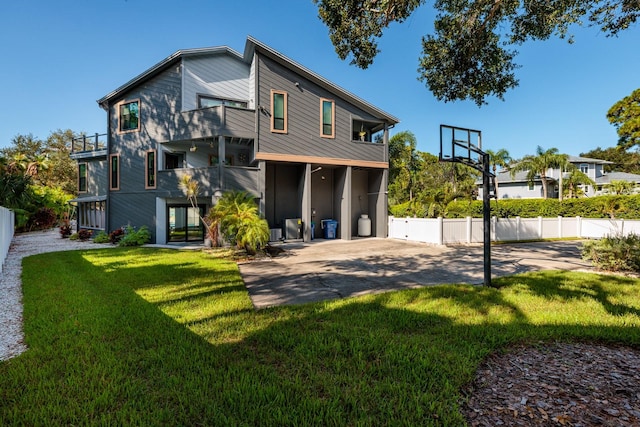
(89, 146)
(208, 178)
(219, 120)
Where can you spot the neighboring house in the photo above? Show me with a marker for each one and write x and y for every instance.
(518, 187)
(307, 149)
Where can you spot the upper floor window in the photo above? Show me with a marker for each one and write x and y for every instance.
(584, 168)
(129, 116)
(82, 177)
(150, 168)
(173, 160)
(205, 101)
(327, 118)
(278, 111)
(114, 172)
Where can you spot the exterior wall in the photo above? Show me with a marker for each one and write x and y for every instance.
(159, 99)
(222, 76)
(303, 136)
(97, 177)
(517, 190)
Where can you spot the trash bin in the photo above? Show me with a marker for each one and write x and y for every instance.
(329, 228)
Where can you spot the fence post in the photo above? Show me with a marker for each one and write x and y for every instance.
(517, 229)
(579, 227)
(559, 226)
(469, 231)
(540, 227)
(494, 231)
(622, 227)
(440, 231)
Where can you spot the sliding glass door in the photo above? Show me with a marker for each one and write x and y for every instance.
(185, 224)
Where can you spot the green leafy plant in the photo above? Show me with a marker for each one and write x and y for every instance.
(614, 253)
(101, 237)
(133, 237)
(74, 236)
(240, 222)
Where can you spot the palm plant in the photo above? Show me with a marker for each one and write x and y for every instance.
(537, 166)
(573, 182)
(620, 187)
(237, 214)
(498, 158)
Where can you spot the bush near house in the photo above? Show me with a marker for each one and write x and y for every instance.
(627, 207)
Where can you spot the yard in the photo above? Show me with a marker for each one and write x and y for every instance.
(149, 336)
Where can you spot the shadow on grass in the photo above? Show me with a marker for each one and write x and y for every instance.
(99, 354)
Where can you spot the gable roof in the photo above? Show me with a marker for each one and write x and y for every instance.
(252, 45)
(161, 66)
(579, 159)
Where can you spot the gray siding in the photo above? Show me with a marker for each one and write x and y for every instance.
(303, 137)
(97, 177)
(221, 76)
(136, 210)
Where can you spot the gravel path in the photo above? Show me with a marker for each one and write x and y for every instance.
(23, 245)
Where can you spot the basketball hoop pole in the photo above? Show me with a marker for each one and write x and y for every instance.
(486, 217)
(462, 150)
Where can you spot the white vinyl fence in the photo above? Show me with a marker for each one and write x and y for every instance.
(442, 231)
(7, 221)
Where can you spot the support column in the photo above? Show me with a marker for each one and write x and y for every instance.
(344, 225)
(306, 204)
(221, 157)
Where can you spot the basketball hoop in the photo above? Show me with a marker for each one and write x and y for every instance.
(461, 145)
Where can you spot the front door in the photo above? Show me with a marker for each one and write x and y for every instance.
(184, 223)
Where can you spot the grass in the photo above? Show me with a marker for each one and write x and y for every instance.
(141, 336)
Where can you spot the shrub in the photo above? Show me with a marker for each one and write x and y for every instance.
(65, 230)
(43, 219)
(240, 222)
(614, 253)
(84, 234)
(133, 237)
(74, 236)
(116, 235)
(101, 237)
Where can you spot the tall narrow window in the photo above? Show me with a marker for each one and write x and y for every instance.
(114, 172)
(129, 116)
(82, 177)
(150, 167)
(278, 111)
(327, 118)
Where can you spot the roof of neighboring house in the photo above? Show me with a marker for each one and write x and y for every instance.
(252, 45)
(578, 159)
(617, 176)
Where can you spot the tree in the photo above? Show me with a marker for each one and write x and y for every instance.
(498, 158)
(465, 58)
(625, 116)
(48, 161)
(574, 181)
(537, 166)
(403, 166)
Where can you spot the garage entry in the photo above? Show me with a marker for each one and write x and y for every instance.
(304, 194)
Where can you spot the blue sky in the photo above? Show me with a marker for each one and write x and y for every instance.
(63, 55)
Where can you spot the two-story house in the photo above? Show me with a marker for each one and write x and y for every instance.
(519, 187)
(306, 148)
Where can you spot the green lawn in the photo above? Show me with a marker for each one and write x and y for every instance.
(140, 336)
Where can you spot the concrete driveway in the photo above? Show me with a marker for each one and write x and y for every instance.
(329, 269)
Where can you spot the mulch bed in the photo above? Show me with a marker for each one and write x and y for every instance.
(568, 384)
